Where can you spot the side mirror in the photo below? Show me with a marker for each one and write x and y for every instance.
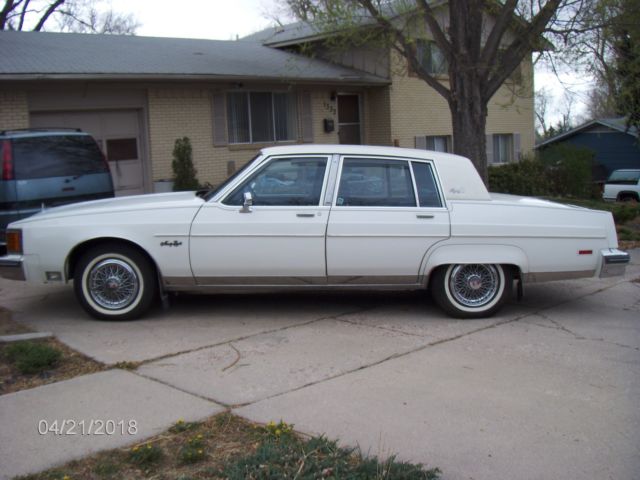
(247, 204)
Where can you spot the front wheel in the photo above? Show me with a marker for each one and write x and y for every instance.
(114, 282)
(471, 290)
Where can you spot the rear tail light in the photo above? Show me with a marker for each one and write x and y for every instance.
(14, 241)
(7, 161)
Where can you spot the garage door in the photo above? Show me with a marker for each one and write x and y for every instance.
(118, 133)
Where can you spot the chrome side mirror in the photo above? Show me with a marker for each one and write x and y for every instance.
(247, 204)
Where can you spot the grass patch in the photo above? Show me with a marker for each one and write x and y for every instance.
(32, 357)
(229, 447)
(33, 363)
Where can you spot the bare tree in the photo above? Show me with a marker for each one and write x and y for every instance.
(82, 16)
(482, 41)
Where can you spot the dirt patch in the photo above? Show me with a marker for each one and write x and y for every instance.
(9, 326)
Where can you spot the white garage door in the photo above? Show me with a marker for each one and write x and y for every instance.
(117, 132)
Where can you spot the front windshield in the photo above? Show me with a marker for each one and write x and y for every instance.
(212, 193)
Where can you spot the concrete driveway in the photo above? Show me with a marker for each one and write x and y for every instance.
(546, 389)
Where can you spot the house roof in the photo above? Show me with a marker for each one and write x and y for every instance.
(38, 55)
(619, 124)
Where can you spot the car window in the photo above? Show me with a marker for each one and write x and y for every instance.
(426, 184)
(283, 182)
(624, 177)
(56, 156)
(375, 183)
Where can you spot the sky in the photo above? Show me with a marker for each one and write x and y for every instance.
(229, 19)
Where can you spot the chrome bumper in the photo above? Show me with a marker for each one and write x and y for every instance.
(614, 262)
(11, 268)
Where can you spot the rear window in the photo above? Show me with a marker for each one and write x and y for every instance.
(56, 156)
(622, 177)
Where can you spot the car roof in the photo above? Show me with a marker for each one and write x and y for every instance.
(40, 132)
(459, 178)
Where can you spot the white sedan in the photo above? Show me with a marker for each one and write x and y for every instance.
(314, 217)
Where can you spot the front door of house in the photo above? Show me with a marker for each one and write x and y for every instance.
(349, 119)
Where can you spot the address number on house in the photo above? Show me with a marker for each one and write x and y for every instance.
(87, 427)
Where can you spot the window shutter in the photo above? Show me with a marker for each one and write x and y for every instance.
(490, 158)
(449, 143)
(219, 120)
(516, 147)
(421, 142)
(306, 117)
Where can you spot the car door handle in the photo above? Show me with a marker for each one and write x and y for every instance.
(305, 215)
(426, 217)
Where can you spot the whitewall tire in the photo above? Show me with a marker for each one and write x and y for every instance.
(471, 290)
(115, 282)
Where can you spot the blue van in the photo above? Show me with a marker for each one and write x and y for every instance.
(48, 167)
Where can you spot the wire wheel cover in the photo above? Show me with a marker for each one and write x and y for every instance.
(113, 284)
(474, 285)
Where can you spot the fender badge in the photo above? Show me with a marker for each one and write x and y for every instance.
(167, 243)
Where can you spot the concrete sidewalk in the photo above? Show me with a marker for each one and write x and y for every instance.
(546, 389)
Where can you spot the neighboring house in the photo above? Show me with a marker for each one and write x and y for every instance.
(613, 145)
(137, 95)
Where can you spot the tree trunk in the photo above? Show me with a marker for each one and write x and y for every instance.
(469, 119)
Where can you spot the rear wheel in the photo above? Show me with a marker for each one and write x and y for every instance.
(114, 282)
(471, 290)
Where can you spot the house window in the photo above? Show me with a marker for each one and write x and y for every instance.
(503, 148)
(439, 143)
(431, 58)
(261, 117)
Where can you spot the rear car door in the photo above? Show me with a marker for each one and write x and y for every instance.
(386, 214)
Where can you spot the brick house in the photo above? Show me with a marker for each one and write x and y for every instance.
(137, 95)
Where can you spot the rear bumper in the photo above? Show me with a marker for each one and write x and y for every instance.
(614, 262)
(11, 268)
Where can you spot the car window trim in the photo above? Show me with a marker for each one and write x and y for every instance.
(435, 181)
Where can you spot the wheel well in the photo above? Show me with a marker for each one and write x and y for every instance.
(81, 248)
(628, 194)
(513, 269)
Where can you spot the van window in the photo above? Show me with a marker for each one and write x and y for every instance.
(56, 156)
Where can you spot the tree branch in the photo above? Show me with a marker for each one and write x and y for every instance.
(52, 8)
(497, 33)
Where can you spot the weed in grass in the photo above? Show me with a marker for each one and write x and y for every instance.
(31, 357)
(287, 456)
(278, 430)
(182, 426)
(193, 451)
(106, 469)
(145, 455)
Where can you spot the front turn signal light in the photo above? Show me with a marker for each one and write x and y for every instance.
(14, 241)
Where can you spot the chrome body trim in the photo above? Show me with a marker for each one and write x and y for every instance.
(11, 268)
(534, 277)
(260, 283)
(614, 262)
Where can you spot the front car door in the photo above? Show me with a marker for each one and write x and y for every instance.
(386, 214)
(279, 240)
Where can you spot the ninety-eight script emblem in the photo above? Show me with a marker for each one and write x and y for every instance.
(167, 243)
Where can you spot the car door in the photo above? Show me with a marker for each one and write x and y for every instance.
(386, 214)
(279, 240)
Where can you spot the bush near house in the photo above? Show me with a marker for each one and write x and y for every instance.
(558, 171)
(183, 170)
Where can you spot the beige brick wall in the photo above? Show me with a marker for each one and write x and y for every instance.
(377, 116)
(417, 109)
(14, 111)
(177, 112)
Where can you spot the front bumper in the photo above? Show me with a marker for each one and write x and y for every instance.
(11, 268)
(614, 262)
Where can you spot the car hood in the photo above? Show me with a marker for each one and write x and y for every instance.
(120, 204)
